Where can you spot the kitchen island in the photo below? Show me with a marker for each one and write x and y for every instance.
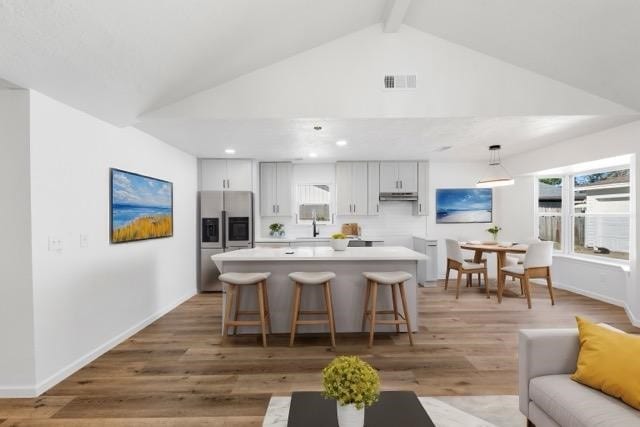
(348, 288)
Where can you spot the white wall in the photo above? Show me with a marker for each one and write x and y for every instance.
(458, 175)
(17, 364)
(605, 282)
(395, 224)
(88, 299)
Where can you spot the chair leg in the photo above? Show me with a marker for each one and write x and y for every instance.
(521, 286)
(263, 320)
(550, 286)
(329, 310)
(486, 282)
(458, 284)
(372, 322)
(405, 307)
(501, 278)
(294, 313)
(266, 306)
(527, 290)
(366, 304)
(229, 307)
(446, 277)
(238, 303)
(395, 307)
(333, 319)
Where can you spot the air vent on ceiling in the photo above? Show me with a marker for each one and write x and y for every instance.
(400, 81)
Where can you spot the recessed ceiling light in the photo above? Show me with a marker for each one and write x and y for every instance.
(230, 151)
(341, 143)
(317, 127)
(313, 155)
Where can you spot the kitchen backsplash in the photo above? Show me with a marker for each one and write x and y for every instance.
(395, 224)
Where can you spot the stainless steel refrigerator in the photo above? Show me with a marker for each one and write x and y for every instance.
(226, 224)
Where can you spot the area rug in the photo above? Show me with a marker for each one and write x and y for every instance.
(445, 411)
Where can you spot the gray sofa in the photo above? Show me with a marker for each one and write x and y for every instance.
(548, 396)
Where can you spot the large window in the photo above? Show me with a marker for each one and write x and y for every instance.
(594, 219)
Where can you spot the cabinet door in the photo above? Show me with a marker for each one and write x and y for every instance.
(389, 181)
(213, 174)
(422, 206)
(268, 189)
(239, 175)
(408, 176)
(283, 188)
(343, 189)
(373, 188)
(359, 178)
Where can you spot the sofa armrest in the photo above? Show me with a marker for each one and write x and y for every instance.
(544, 352)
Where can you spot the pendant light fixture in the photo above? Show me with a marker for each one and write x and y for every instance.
(497, 175)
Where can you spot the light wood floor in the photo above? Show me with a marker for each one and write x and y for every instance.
(176, 372)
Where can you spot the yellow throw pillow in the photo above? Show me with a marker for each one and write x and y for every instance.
(609, 361)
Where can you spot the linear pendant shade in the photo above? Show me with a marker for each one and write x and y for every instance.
(497, 175)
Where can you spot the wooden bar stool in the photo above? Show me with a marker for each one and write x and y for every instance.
(235, 282)
(395, 279)
(300, 279)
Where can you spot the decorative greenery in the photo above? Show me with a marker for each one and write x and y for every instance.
(338, 236)
(350, 380)
(276, 227)
(494, 230)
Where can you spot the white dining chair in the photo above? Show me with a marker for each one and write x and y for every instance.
(457, 262)
(537, 264)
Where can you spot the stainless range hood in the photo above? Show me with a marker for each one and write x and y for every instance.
(409, 197)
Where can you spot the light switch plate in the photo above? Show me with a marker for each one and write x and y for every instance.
(84, 240)
(56, 244)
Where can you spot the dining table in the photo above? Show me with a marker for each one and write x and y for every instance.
(501, 251)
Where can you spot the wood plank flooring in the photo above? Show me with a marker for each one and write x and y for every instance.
(177, 371)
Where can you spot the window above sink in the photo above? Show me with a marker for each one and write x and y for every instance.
(314, 200)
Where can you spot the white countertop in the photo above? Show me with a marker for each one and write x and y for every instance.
(322, 253)
(309, 239)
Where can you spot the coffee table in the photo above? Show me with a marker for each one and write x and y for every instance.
(395, 408)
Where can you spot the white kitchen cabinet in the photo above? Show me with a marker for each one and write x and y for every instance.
(398, 177)
(373, 188)
(351, 188)
(225, 175)
(275, 189)
(421, 207)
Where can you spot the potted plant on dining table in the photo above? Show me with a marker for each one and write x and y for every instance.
(354, 385)
(494, 230)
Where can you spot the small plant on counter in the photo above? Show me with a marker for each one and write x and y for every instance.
(494, 230)
(354, 384)
(277, 229)
(338, 236)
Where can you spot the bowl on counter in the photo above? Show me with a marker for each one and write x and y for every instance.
(339, 244)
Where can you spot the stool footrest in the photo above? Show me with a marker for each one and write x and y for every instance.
(312, 322)
(391, 322)
(243, 323)
(313, 312)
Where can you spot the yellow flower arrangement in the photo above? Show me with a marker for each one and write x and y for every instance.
(350, 380)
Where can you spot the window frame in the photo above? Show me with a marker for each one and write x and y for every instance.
(568, 215)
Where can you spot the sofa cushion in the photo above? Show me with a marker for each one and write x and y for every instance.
(608, 361)
(571, 404)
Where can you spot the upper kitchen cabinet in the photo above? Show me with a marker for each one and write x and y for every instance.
(351, 188)
(275, 189)
(225, 175)
(421, 208)
(398, 177)
(373, 190)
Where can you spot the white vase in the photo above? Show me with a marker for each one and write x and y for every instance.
(339, 244)
(350, 416)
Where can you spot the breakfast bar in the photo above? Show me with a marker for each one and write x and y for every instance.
(348, 287)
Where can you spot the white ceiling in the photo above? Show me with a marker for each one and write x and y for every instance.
(593, 45)
(116, 59)
(375, 139)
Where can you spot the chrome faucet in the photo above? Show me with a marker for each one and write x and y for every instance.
(315, 225)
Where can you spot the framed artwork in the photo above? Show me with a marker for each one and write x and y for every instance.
(141, 207)
(464, 205)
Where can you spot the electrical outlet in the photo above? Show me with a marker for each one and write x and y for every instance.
(84, 240)
(56, 244)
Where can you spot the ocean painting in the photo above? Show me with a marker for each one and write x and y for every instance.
(463, 205)
(141, 207)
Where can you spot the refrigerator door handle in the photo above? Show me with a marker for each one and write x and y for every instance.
(224, 230)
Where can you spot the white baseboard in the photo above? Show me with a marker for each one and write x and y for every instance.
(635, 321)
(38, 389)
(589, 294)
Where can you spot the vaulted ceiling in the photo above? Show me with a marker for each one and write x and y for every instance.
(203, 73)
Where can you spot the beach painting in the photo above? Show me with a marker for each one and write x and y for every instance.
(141, 207)
(464, 205)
